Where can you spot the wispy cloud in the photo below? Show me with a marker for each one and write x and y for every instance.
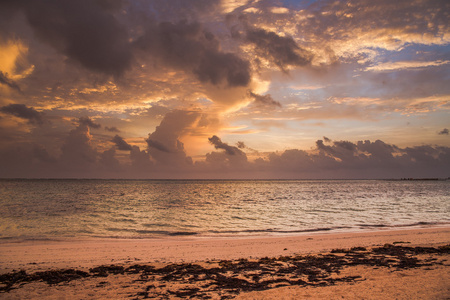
(403, 65)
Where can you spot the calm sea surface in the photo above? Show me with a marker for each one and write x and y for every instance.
(55, 209)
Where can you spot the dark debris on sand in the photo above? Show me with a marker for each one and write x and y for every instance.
(228, 278)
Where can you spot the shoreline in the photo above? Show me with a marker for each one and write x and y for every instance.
(47, 254)
(401, 264)
(231, 234)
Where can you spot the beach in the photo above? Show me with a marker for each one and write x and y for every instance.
(377, 264)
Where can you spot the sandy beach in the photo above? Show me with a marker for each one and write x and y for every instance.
(401, 264)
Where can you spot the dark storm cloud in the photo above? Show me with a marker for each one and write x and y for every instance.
(112, 129)
(190, 47)
(218, 144)
(444, 132)
(84, 30)
(23, 112)
(265, 100)
(88, 122)
(283, 51)
(8, 82)
(121, 144)
(106, 37)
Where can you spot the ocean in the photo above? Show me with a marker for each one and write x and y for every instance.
(72, 209)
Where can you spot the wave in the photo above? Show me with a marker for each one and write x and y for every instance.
(169, 233)
(363, 226)
(149, 233)
(277, 230)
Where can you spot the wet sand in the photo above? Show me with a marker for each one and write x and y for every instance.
(402, 264)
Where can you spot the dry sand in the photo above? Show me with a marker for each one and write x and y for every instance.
(291, 267)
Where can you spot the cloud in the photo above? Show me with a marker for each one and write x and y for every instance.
(8, 82)
(402, 65)
(170, 10)
(363, 159)
(218, 144)
(140, 162)
(230, 5)
(345, 145)
(88, 122)
(241, 145)
(340, 160)
(190, 47)
(264, 100)
(358, 31)
(77, 154)
(41, 154)
(283, 51)
(108, 161)
(444, 131)
(164, 145)
(86, 31)
(190, 63)
(230, 162)
(157, 145)
(121, 144)
(13, 65)
(112, 129)
(24, 112)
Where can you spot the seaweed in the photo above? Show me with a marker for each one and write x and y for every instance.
(228, 278)
(50, 277)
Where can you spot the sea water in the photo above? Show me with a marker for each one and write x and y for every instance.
(61, 209)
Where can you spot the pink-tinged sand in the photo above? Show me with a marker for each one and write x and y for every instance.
(377, 283)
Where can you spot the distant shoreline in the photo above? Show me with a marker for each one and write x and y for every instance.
(233, 179)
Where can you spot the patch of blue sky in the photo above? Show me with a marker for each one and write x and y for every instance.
(415, 52)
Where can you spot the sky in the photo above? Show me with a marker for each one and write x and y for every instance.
(224, 89)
